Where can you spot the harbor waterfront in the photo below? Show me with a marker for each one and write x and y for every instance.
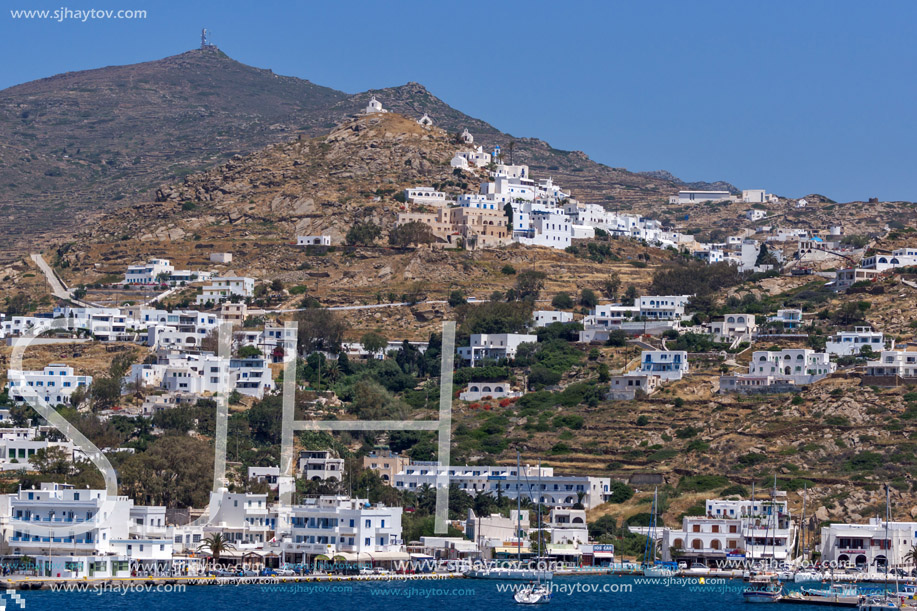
(573, 592)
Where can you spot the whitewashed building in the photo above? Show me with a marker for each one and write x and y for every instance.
(40, 519)
(543, 318)
(902, 257)
(320, 465)
(866, 545)
(313, 240)
(732, 327)
(851, 343)
(494, 346)
(151, 272)
(554, 490)
(221, 289)
(425, 195)
(667, 364)
(697, 197)
(799, 365)
(344, 527)
(734, 530)
(54, 384)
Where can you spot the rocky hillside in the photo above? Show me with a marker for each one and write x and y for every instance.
(302, 187)
(96, 140)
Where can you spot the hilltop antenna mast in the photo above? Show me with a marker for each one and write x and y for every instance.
(205, 42)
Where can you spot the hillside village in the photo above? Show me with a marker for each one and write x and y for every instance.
(728, 371)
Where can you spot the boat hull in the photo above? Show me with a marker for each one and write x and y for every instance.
(510, 575)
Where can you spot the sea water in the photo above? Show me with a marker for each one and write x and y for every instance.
(570, 593)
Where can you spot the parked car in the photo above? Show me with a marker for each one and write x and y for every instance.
(268, 572)
(220, 573)
(284, 572)
(246, 573)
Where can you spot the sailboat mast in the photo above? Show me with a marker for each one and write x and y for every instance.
(518, 508)
(801, 542)
(887, 546)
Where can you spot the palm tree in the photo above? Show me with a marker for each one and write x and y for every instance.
(216, 545)
(332, 370)
(911, 556)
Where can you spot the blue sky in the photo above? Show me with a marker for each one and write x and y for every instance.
(795, 97)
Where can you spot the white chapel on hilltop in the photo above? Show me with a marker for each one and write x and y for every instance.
(425, 120)
(374, 106)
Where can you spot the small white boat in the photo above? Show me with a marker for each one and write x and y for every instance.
(805, 576)
(762, 590)
(878, 603)
(510, 574)
(535, 594)
(658, 570)
(835, 590)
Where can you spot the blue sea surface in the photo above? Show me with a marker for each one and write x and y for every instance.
(571, 593)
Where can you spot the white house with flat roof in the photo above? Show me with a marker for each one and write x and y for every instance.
(40, 518)
(851, 343)
(222, 289)
(901, 257)
(866, 545)
(696, 197)
(151, 272)
(320, 465)
(554, 490)
(732, 326)
(799, 365)
(313, 240)
(543, 318)
(54, 384)
(667, 364)
(345, 528)
(425, 195)
(893, 367)
(494, 346)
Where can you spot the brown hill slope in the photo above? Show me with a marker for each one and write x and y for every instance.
(95, 140)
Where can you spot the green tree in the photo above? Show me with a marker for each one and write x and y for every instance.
(247, 352)
(529, 285)
(588, 298)
(319, 329)
(373, 342)
(457, 298)
(562, 301)
(216, 545)
(410, 234)
(610, 286)
(363, 234)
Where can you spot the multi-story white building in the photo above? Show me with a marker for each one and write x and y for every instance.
(18, 446)
(866, 545)
(221, 289)
(105, 324)
(494, 346)
(902, 257)
(242, 518)
(799, 365)
(339, 526)
(276, 342)
(625, 387)
(848, 276)
(555, 490)
(851, 343)
(755, 215)
(667, 364)
(320, 465)
(40, 520)
(543, 318)
(790, 318)
(54, 384)
(893, 367)
(663, 307)
(152, 272)
(734, 530)
(201, 374)
(733, 326)
(758, 196)
(18, 325)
